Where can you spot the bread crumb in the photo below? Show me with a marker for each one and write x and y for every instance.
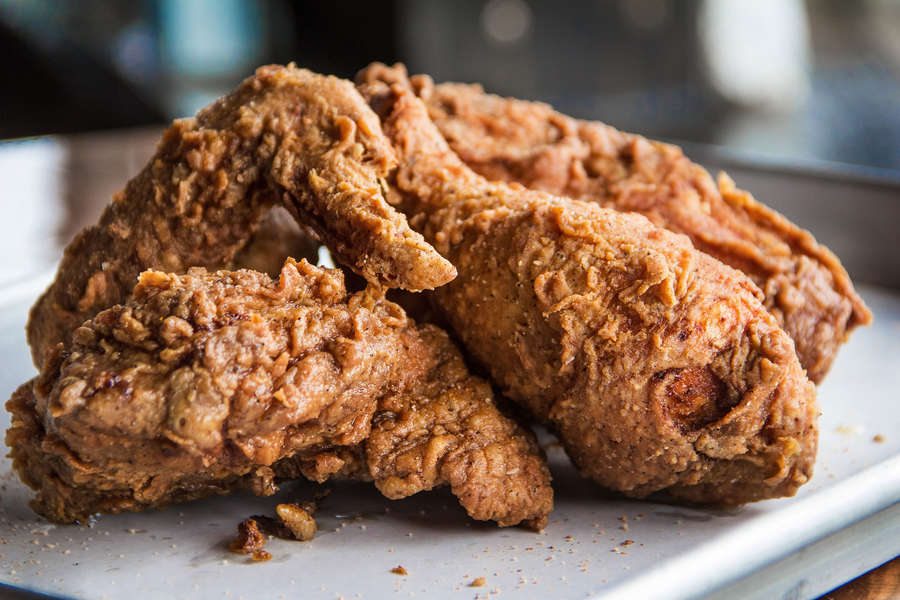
(878, 439)
(399, 570)
(250, 539)
(478, 582)
(849, 429)
(299, 520)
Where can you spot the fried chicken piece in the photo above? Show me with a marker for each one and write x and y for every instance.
(505, 139)
(203, 382)
(444, 429)
(657, 365)
(285, 135)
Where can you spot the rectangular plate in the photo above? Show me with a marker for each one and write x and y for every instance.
(844, 522)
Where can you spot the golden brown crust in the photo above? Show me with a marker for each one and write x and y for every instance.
(285, 135)
(201, 382)
(505, 139)
(444, 430)
(582, 314)
(201, 378)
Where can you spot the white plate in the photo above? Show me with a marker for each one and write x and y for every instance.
(676, 552)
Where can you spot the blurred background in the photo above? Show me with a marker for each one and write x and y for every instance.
(790, 79)
(780, 84)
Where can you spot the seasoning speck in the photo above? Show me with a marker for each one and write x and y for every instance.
(478, 582)
(849, 429)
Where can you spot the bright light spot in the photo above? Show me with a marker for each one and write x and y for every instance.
(506, 21)
(756, 53)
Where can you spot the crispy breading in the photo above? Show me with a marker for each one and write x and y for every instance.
(445, 429)
(656, 364)
(200, 382)
(285, 135)
(506, 139)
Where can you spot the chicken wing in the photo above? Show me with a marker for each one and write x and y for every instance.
(504, 139)
(203, 382)
(285, 135)
(658, 366)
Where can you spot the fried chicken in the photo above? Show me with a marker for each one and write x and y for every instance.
(196, 384)
(204, 382)
(658, 366)
(445, 428)
(504, 139)
(285, 135)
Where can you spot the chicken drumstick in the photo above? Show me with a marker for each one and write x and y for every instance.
(504, 139)
(658, 366)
